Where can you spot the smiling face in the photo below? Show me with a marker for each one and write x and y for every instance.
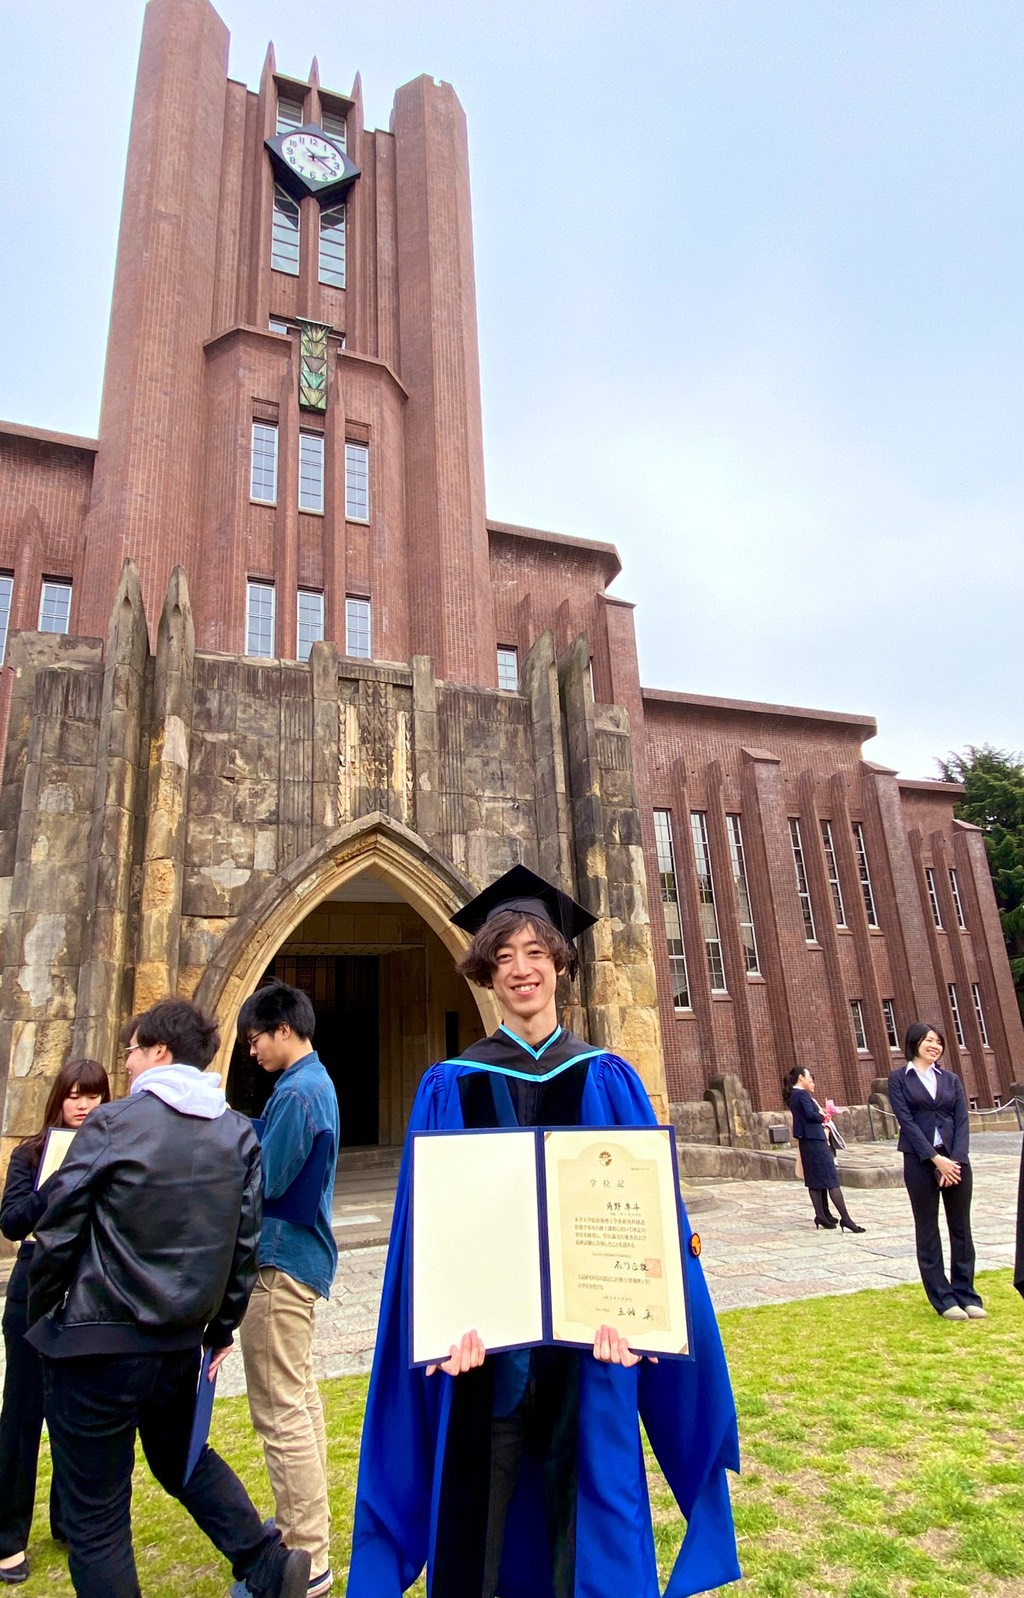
(77, 1106)
(929, 1050)
(523, 980)
(805, 1080)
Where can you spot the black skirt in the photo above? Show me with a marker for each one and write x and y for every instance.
(818, 1162)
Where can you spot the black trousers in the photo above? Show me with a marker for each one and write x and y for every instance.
(21, 1425)
(944, 1292)
(545, 1423)
(94, 1407)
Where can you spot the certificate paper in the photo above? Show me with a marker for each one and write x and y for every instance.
(613, 1237)
(55, 1150)
(534, 1236)
(476, 1242)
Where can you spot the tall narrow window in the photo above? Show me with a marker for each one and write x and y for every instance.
(859, 1035)
(290, 112)
(357, 628)
(739, 877)
(284, 238)
(263, 472)
(933, 898)
(891, 1035)
(670, 906)
(332, 246)
(979, 1012)
(357, 482)
(310, 619)
(333, 124)
(259, 619)
(706, 894)
(6, 591)
(311, 471)
(54, 606)
(802, 888)
(862, 872)
(958, 904)
(954, 1005)
(508, 667)
(832, 871)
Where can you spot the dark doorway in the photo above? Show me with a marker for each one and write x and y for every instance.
(344, 990)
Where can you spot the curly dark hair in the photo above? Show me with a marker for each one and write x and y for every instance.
(480, 962)
(189, 1033)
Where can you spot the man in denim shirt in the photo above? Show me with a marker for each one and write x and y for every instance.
(297, 1260)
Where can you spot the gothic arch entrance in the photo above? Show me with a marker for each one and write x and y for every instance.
(362, 925)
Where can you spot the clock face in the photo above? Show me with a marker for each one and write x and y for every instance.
(313, 158)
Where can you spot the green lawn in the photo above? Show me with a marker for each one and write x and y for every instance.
(883, 1454)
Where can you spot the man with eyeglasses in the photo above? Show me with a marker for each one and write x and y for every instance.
(299, 1136)
(146, 1256)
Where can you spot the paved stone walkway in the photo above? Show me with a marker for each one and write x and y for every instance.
(760, 1246)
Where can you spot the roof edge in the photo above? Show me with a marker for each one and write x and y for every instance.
(43, 435)
(536, 535)
(745, 707)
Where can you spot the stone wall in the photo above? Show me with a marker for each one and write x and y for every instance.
(168, 822)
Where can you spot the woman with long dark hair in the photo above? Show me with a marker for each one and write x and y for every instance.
(821, 1177)
(79, 1086)
(931, 1107)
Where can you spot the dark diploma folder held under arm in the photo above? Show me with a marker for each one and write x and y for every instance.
(300, 1201)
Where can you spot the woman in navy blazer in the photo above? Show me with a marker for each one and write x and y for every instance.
(931, 1108)
(809, 1128)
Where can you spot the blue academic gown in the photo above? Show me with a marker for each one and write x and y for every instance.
(686, 1407)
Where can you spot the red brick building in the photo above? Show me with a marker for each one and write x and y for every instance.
(365, 697)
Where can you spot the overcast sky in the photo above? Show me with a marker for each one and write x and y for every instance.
(749, 278)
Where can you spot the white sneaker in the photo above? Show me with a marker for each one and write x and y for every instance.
(319, 1585)
(976, 1313)
(955, 1313)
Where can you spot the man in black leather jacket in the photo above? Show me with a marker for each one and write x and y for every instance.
(145, 1256)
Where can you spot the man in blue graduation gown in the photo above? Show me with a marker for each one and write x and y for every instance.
(522, 1475)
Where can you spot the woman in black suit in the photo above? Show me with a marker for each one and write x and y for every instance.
(79, 1086)
(816, 1157)
(931, 1108)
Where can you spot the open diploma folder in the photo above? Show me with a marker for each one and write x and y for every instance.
(534, 1235)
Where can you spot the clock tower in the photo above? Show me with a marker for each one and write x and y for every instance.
(291, 405)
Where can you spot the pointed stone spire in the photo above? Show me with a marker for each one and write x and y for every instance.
(357, 96)
(314, 74)
(127, 636)
(269, 66)
(175, 651)
(163, 855)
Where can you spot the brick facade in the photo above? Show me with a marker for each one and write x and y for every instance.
(176, 814)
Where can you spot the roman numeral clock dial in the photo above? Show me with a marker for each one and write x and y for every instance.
(307, 162)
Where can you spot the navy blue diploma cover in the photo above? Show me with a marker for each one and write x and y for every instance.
(543, 1242)
(300, 1202)
(201, 1415)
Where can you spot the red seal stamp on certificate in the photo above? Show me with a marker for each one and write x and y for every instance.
(695, 1244)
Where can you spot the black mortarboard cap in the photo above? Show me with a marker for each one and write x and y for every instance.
(522, 889)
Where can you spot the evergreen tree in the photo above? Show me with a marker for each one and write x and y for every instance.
(994, 800)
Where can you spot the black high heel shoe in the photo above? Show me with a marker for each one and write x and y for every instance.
(829, 1225)
(851, 1226)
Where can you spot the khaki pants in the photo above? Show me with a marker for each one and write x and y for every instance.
(284, 1402)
